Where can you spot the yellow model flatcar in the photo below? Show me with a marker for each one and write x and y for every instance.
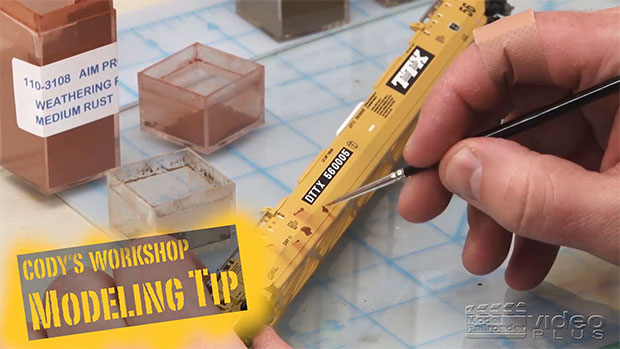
(300, 231)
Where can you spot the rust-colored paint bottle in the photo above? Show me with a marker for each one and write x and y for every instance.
(41, 32)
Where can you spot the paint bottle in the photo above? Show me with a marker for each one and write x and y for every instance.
(58, 92)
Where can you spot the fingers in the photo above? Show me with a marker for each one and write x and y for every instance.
(540, 197)
(466, 98)
(268, 338)
(487, 243)
(576, 56)
(565, 36)
(423, 197)
(448, 111)
(530, 263)
(204, 341)
(612, 154)
(588, 154)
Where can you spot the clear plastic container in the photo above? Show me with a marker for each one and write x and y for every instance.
(43, 32)
(287, 19)
(173, 192)
(202, 98)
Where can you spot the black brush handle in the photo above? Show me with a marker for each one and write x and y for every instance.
(541, 115)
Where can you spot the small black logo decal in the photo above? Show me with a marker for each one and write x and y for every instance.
(410, 70)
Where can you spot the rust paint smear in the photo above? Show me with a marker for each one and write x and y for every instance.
(298, 211)
(306, 230)
(324, 209)
(298, 245)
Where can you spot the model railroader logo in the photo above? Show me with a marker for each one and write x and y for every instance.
(410, 70)
(330, 172)
(514, 320)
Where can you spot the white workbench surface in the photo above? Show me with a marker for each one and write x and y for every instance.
(387, 283)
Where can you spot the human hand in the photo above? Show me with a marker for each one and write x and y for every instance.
(267, 338)
(558, 184)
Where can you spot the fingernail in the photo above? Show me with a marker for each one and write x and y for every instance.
(463, 174)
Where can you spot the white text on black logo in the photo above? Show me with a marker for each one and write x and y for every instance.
(326, 177)
(410, 70)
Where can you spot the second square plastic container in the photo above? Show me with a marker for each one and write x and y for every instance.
(202, 98)
(173, 192)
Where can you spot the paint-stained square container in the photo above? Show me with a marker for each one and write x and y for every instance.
(202, 98)
(173, 192)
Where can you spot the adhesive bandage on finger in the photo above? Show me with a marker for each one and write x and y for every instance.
(512, 50)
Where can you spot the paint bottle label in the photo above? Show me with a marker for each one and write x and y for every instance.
(66, 94)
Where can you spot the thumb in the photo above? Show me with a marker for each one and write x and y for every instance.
(268, 338)
(541, 197)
